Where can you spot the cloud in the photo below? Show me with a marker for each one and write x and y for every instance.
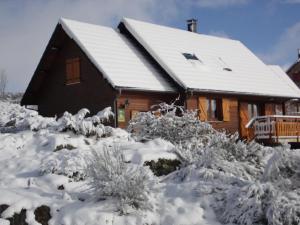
(284, 51)
(290, 1)
(26, 27)
(219, 3)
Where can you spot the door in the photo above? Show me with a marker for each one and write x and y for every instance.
(244, 118)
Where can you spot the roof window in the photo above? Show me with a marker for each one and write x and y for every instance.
(190, 56)
(224, 65)
(227, 69)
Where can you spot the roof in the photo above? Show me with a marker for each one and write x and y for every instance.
(223, 65)
(294, 68)
(279, 72)
(115, 57)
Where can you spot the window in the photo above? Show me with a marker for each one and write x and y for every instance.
(253, 110)
(223, 64)
(214, 109)
(190, 56)
(278, 109)
(72, 71)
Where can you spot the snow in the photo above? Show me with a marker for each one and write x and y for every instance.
(115, 57)
(31, 171)
(222, 180)
(249, 74)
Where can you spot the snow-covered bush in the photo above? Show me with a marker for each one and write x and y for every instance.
(71, 163)
(224, 153)
(283, 169)
(14, 118)
(90, 126)
(272, 200)
(112, 177)
(19, 118)
(261, 204)
(169, 122)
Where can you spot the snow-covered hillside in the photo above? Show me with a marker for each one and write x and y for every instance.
(88, 173)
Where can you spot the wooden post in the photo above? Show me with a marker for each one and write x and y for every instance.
(270, 128)
(276, 130)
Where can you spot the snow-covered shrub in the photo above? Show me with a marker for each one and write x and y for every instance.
(18, 118)
(225, 154)
(90, 126)
(261, 204)
(272, 200)
(247, 205)
(71, 163)
(112, 177)
(14, 118)
(173, 124)
(283, 169)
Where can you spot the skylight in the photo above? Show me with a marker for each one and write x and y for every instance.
(190, 56)
(224, 65)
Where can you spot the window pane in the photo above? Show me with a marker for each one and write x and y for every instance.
(250, 114)
(190, 56)
(278, 109)
(214, 108)
(255, 111)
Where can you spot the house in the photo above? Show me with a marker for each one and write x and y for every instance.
(293, 107)
(141, 64)
(90, 66)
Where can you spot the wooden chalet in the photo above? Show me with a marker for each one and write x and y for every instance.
(293, 107)
(141, 64)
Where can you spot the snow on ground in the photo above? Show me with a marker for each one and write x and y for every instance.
(33, 164)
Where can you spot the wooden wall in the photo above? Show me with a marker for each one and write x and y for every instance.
(93, 92)
(140, 101)
(235, 110)
(232, 123)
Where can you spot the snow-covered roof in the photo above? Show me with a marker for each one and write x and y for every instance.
(217, 64)
(284, 77)
(115, 57)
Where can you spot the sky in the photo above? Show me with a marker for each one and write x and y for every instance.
(271, 29)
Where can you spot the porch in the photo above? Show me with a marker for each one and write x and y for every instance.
(274, 129)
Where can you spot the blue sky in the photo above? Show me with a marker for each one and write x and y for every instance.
(271, 29)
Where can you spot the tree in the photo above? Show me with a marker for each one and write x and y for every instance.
(3, 82)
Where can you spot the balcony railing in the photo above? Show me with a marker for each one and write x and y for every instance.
(274, 128)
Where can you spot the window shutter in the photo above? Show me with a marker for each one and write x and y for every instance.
(226, 109)
(76, 69)
(72, 70)
(269, 109)
(202, 101)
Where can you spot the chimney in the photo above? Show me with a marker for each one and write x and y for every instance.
(298, 53)
(192, 25)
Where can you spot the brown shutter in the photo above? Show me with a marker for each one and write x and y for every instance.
(69, 70)
(72, 70)
(202, 101)
(244, 118)
(226, 109)
(76, 70)
(269, 109)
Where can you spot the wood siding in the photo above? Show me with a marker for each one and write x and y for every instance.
(140, 101)
(243, 118)
(230, 121)
(93, 92)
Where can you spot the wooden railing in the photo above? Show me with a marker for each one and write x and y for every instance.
(274, 128)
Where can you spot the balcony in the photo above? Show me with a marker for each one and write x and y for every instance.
(274, 129)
